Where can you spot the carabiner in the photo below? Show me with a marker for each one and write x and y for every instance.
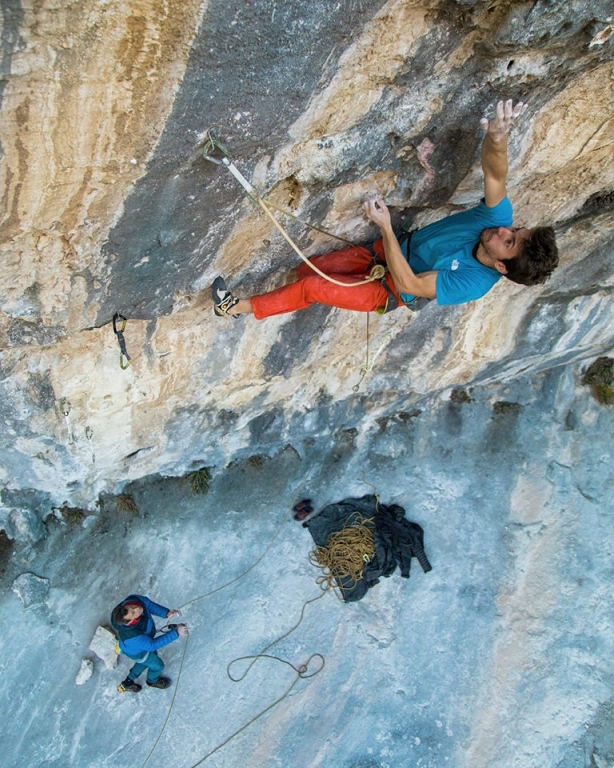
(211, 144)
(117, 317)
(119, 324)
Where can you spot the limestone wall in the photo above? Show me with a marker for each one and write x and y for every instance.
(109, 206)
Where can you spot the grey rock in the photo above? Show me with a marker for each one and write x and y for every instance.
(26, 332)
(26, 526)
(103, 645)
(32, 589)
(86, 670)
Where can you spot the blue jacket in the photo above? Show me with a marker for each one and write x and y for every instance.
(141, 638)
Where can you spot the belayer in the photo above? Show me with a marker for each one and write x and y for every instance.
(454, 260)
(133, 621)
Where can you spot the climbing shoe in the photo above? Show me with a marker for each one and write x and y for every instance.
(223, 300)
(128, 686)
(303, 509)
(161, 682)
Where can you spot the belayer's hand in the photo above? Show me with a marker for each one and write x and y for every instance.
(173, 612)
(502, 124)
(182, 630)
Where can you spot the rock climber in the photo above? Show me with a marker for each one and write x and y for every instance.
(133, 622)
(454, 260)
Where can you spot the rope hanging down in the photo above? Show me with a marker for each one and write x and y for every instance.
(172, 704)
(370, 361)
(302, 672)
(212, 144)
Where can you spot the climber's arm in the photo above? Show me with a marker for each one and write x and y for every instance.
(494, 150)
(405, 279)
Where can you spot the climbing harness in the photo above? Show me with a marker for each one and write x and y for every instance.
(119, 325)
(212, 144)
(370, 363)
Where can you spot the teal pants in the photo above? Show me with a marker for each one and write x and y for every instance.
(152, 663)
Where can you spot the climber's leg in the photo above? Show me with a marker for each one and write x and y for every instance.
(355, 260)
(313, 288)
(349, 265)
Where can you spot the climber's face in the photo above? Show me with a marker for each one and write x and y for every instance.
(133, 612)
(499, 244)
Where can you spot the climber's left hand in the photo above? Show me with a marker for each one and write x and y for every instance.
(506, 113)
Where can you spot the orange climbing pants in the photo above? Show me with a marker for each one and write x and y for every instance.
(350, 265)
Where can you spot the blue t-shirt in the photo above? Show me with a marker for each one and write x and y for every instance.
(446, 247)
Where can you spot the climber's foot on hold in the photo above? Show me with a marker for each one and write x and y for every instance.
(223, 300)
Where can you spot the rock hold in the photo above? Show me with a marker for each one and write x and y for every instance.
(32, 589)
(85, 672)
(104, 646)
(26, 526)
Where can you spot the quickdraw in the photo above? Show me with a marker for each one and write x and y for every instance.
(89, 433)
(212, 144)
(212, 147)
(66, 408)
(119, 325)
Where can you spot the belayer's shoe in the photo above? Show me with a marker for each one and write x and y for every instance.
(303, 509)
(223, 300)
(161, 682)
(128, 686)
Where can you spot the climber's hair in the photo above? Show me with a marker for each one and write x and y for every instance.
(119, 614)
(536, 260)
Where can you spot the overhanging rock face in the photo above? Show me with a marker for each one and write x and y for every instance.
(110, 206)
(473, 417)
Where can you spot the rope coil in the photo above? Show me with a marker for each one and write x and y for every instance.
(345, 556)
